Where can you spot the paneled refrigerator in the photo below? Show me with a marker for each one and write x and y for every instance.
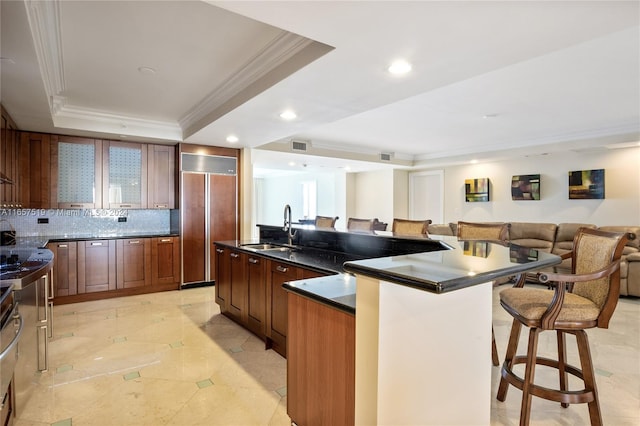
(208, 210)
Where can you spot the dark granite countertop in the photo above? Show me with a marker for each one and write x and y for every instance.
(338, 291)
(321, 260)
(468, 263)
(43, 240)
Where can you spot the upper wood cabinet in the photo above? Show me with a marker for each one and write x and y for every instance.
(161, 164)
(76, 172)
(124, 175)
(34, 159)
(9, 165)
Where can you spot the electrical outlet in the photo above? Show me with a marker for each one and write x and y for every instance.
(122, 219)
(43, 220)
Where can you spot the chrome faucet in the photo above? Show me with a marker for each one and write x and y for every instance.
(287, 224)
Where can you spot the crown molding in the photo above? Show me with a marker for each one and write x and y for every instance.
(44, 22)
(282, 48)
(74, 117)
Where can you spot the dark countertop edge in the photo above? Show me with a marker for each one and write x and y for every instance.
(445, 286)
(58, 238)
(237, 245)
(316, 298)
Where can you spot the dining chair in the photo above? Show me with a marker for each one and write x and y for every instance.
(326, 221)
(410, 227)
(583, 299)
(486, 232)
(354, 224)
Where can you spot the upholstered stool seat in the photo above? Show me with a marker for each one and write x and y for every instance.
(529, 304)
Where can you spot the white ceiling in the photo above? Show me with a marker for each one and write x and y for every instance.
(550, 76)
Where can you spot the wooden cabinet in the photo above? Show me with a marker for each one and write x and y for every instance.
(320, 363)
(65, 270)
(96, 266)
(279, 273)
(99, 269)
(133, 267)
(9, 166)
(257, 294)
(76, 172)
(223, 277)
(165, 261)
(124, 175)
(161, 173)
(277, 321)
(239, 291)
(34, 159)
(249, 290)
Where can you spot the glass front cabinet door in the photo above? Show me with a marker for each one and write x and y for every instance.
(125, 178)
(76, 172)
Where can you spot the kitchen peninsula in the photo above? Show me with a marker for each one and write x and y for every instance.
(438, 288)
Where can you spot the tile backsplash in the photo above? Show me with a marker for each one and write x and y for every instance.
(76, 222)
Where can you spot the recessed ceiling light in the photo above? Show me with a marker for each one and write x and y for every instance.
(288, 115)
(399, 67)
(146, 70)
(473, 161)
(232, 139)
(291, 163)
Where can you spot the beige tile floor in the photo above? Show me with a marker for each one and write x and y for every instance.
(171, 359)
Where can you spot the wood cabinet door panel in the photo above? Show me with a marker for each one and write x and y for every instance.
(96, 266)
(223, 277)
(133, 262)
(35, 170)
(320, 363)
(223, 211)
(161, 176)
(239, 290)
(193, 235)
(165, 260)
(65, 268)
(257, 294)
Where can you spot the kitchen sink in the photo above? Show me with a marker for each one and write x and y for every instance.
(265, 247)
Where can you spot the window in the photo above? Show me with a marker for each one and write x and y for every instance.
(309, 199)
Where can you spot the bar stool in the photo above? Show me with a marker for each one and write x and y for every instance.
(584, 299)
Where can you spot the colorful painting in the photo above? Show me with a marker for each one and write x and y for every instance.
(476, 190)
(586, 185)
(525, 187)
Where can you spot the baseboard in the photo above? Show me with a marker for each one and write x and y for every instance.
(197, 284)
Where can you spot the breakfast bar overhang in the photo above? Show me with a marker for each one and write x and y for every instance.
(423, 332)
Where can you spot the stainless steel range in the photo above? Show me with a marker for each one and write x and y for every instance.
(26, 272)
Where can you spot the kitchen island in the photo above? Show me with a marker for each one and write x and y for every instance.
(422, 333)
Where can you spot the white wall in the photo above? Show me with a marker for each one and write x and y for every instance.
(277, 191)
(373, 195)
(621, 205)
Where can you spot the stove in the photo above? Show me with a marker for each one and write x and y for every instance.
(22, 265)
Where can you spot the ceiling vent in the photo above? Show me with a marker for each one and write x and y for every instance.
(385, 156)
(298, 145)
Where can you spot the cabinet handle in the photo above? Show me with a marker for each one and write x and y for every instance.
(62, 246)
(134, 242)
(161, 206)
(75, 205)
(235, 255)
(165, 240)
(219, 250)
(96, 244)
(254, 261)
(125, 205)
(281, 268)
